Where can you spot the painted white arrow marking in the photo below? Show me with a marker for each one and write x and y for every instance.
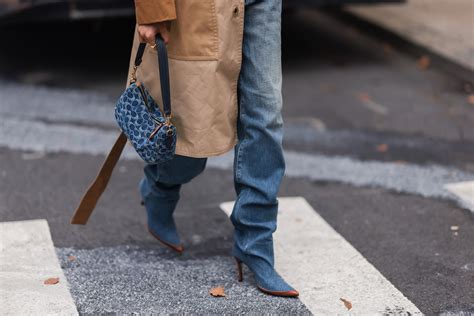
(324, 267)
(27, 259)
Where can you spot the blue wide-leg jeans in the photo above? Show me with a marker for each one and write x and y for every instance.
(259, 164)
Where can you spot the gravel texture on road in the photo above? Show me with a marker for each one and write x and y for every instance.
(130, 279)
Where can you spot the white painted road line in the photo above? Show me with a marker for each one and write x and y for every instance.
(61, 126)
(464, 191)
(427, 181)
(324, 267)
(55, 105)
(53, 138)
(27, 259)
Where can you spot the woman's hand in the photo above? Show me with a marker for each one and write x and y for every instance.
(147, 32)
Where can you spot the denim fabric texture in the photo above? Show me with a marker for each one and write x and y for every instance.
(259, 165)
(160, 188)
(138, 123)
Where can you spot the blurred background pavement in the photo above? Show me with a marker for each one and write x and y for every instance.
(444, 27)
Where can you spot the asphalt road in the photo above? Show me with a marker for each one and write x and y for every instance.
(355, 106)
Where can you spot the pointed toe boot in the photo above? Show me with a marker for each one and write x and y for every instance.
(267, 278)
(160, 202)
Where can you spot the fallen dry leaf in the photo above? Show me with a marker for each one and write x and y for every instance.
(217, 291)
(51, 281)
(364, 97)
(347, 304)
(470, 99)
(424, 62)
(382, 148)
(71, 258)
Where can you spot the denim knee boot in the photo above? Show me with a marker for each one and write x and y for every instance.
(160, 202)
(160, 188)
(259, 164)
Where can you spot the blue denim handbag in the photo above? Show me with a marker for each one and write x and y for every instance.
(142, 123)
(139, 117)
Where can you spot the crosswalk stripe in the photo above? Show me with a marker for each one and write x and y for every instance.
(27, 259)
(325, 268)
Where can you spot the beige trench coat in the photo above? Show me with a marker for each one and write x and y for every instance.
(205, 55)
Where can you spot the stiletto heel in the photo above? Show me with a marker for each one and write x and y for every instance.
(240, 275)
(268, 280)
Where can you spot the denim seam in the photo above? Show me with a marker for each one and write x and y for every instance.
(242, 142)
(239, 173)
(238, 170)
(239, 160)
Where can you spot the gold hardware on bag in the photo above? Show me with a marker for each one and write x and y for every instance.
(168, 123)
(133, 78)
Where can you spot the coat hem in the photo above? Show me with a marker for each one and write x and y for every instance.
(182, 152)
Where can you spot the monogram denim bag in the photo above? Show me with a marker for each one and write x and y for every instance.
(141, 122)
(139, 117)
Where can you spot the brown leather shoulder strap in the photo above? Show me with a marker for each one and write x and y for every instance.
(97, 187)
